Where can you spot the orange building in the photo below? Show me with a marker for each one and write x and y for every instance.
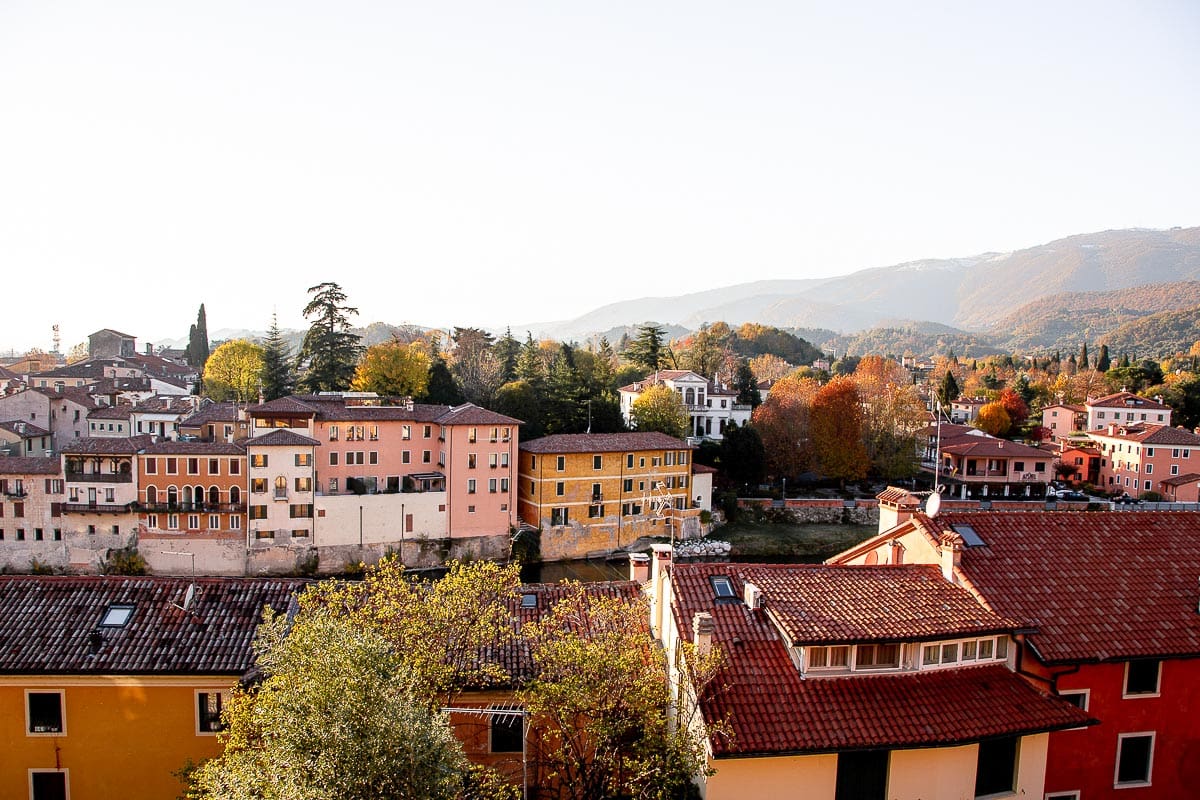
(192, 488)
(599, 492)
(122, 679)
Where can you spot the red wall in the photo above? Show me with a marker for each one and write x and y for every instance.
(1085, 760)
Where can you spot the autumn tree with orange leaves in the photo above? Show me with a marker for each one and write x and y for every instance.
(836, 427)
(783, 423)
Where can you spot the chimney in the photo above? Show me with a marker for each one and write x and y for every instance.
(951, 546)
(639, 567)
(149, 349)
(660, 587)
(702, 632)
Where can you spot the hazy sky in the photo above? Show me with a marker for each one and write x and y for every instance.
(483, 162)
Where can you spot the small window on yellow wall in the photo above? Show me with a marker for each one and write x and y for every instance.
(44, 713)
(208, 712)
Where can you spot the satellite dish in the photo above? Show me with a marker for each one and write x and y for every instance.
(933, 504)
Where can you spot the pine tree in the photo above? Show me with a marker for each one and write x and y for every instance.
(648, 350)
(948, 391)
(330, 348)
(277, 379)
(530, 367)
(506, 350)
(564, 406)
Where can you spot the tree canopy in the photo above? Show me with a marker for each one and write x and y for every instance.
(233, 371)
(648, 350)
(393, 369)
(330, 349)
(660, 409)
(278, 379)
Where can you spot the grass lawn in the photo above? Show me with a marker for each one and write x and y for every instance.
(774, 541)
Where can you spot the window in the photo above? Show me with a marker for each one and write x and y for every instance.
(562, 463)
(303, 459)
(627, 486)
(595, 511)
(208, 712)
(508, 731)
(861, 775)
(303, 484)
(48, 784)
(491, 485)
(258, 512)
(929, 654)
(427, 432)
(1135, 756)
(559, 488)
(1149, 471)
(949, 653)
(597, 462)
(722, 586)
(472, 460)
(151, 466)
(504, 459)
(877, 656)
(193, 466)
(300, 510)
(559, 516)
(373, 433)
(173, 521)
(372, 457)
(333, 433)
(193, 521)
(258, 485)
(235, 467)
(151, 521)
(256, 460)
(493, 460)
(333, 459)
(471, 486)
(996, 769)
(1141, 678)
(835, 657)
(629, 461)
(214, 522)
(44, 712)
(116, 616)
(300, 533)
(235, 523)
(425, 456)
(406, 432)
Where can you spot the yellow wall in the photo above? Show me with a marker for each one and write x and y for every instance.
(941, 773)
(123, 736)
(785, 778)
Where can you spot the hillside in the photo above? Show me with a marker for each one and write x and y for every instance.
(921, 339)
(1062, 321)
(1157, 335)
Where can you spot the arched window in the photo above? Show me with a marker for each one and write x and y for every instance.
(151, 495)
(187, 497)
(172, 496)
(281, 486)
(689, 397)
(235, 495)
(214, 495)
(198, 494)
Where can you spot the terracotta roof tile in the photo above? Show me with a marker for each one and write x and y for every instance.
(47, 624)
(471, 414)
(29, 465)
(769, 709)
(104, 445)
(1127, 400)
(110, 412)
(604, 443)
(1180, 480)
(196, 448)
(280, 437)
(1151, 434)
(1099, 586)
(23, 429)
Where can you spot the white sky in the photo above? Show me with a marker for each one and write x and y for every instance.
(478, 163)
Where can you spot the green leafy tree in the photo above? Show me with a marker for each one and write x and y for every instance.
(518, 400)
(441, 388)
(330, 348)
(394, 369)
(747, 386)
(602, 702)
(660, 409)
(531, 366)
(604, 371)
(338, 715)
(564, 405)
(233, 371)
(1184, 398)
(648, 350)
(475, 367)
(705, 352)
(837, 429)
(277, 379)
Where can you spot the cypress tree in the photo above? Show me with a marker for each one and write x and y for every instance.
(1102, 360)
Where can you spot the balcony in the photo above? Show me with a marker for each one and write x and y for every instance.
(15, 494)
(97, 508)
(99, 477)
(191, 508)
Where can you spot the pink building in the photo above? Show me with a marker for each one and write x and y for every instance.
(1063, 419)
(1138, 458)
(1124, 408)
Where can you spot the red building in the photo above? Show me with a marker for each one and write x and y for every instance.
(1115, 597)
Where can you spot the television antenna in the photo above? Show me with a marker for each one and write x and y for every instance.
(189, 597)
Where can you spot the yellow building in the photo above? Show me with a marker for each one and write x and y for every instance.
(110, 684)
(597, 493)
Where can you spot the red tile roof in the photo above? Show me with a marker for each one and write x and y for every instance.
(47, 624)
(1100, 586)
(104, 445)
(212, 412)
(1151, 434)
(1180, 480)
(604, 443)
(471, 414)
(820, 604)
(196, 448)
(23, 429)
(899, 497)
(29, 465)
(110, 412)
(770, 710)
(280, 437)
(1127, 400)
(991, 448)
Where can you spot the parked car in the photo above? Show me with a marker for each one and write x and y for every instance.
(1070, 494)
(1127, 499)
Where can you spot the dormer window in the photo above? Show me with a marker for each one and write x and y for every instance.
(877, 656)
(830, 658)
